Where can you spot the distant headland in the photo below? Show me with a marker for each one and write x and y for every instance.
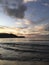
(6, 35)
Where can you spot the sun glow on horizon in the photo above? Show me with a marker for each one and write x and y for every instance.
(37, 30)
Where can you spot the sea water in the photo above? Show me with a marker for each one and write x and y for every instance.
(24, 51)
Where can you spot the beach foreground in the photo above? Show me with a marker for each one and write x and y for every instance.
(24, 52)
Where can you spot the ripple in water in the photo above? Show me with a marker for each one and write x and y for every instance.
(28, 52)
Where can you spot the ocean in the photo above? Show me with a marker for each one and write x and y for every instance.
(24, 51)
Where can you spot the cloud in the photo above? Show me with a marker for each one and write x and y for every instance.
(42, 29)
(45, 4)
(30, 0)
(46, 27)
(9, 30)
(24, 23)
(36, 29)
(15, 8)
(29, 27)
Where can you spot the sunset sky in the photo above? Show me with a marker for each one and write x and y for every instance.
(24, 16)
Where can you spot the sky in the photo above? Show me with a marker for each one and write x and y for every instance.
(24, 16)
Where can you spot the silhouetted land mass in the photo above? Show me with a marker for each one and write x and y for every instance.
(6, 35)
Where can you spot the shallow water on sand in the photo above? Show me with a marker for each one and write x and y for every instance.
(24, 51)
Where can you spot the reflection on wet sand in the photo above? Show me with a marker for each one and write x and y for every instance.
(24, 53)
(3, 62)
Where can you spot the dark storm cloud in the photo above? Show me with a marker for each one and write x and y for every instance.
(15, 8)
(19, 13)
